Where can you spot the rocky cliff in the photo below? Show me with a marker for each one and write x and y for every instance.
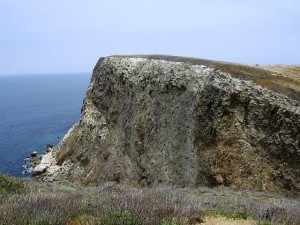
(185, 122)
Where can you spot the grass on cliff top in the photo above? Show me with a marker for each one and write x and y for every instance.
(112, 204)
(287, 80)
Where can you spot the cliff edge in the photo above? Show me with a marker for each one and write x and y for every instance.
(150, 120)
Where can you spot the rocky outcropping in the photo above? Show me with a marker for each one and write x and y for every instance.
(157, 121)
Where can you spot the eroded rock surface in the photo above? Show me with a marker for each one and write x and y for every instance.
(150, 122)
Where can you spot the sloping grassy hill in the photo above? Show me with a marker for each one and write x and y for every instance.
(289, 78)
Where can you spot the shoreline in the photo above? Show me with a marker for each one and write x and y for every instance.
(44, 167)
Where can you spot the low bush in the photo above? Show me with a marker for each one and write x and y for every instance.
(11, 185)
(239, 215)
(166, 222)
(85, 161)
(120, 218)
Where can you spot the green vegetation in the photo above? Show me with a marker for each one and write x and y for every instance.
(35, 203)
(120, 218)
(165, 222)
(70, 152)
(10, 185)
(40, 223)
(84, 160)
(239, 215)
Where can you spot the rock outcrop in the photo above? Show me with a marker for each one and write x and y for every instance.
(151, 121)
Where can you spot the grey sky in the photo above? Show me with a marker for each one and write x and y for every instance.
(70, 35)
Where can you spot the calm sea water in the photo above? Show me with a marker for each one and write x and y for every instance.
(35, 111)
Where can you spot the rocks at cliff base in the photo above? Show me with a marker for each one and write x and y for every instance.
(34, 154)
(38, 170)
(41, 163)
(149, 122)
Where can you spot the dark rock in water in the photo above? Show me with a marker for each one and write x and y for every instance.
(147, 121)
(35, 164)
(34, 154)
(49, 148)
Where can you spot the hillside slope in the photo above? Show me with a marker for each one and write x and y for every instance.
(150, 120)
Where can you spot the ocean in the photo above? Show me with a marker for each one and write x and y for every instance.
(36, 110)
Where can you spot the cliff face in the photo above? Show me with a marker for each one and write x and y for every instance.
(149, 121)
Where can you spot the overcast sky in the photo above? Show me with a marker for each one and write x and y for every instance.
(70, 35)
